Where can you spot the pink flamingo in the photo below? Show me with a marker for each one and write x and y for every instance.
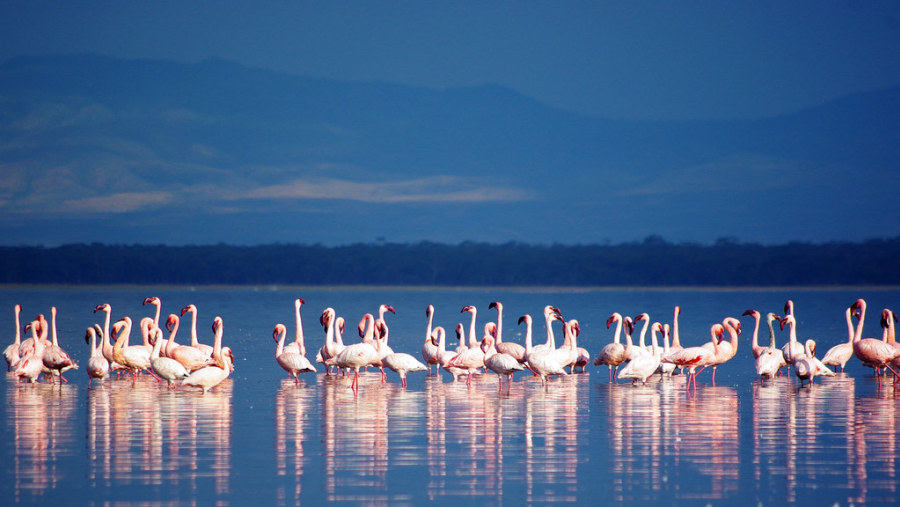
(55, 358)
(872, 352)
(210, 376)
(842, 352)
(471, 359)
(694, 357)
(31, 364)
(165, 367)
(190, 357)
(612, 354)
(292, 362)
(513, 349)
(644, 366)
(429, 348)
(543, 362)
(354, 356)
(11, 352)
(97, 365)
(500, 363)
(134, 357)
(195, 342)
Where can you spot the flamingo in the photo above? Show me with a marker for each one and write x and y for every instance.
(793, 347)
(571, 330)
(381, 337)
(473, 342)
(107, 348)
(755, 347)
(31, 364)
(872, 352)
(444, 356)
(292, 362)
(331, 348)
(153, 300)
(693, 357)
(165, 367)
(55, 358)
(551, 313)
(805, 365)
(631, 350)
(543, 362)
(821, 369)
(11, 352)
(612, 354)
(461, 338)
(500, 363)
(513, 349)
(726, 349)
(210, 376)
(295, 346)
(97, 365)
(665, 369)
(644, 366)
(135, 357)
(354, 356)
(429, 348)
(191, 358)
(842, 352)
(403, 363)
(202, 347)
(471, 359)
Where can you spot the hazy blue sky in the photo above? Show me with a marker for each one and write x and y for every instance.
(631, 59)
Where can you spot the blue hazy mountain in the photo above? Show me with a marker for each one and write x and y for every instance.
(143, 151)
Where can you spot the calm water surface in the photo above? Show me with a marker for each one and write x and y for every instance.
(259, 437)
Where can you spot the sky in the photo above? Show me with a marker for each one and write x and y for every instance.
(644, 60)
(650, 63)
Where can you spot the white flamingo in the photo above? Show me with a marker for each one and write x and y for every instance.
(429, 349)
(165, 367)
(11, 352)
(97, 365)
(500, 363)
(210, 376)
(292, 362)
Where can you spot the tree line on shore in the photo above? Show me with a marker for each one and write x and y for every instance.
(651, 262)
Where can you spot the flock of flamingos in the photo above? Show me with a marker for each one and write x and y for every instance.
(205, 366)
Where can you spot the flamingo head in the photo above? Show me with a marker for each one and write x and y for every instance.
(103, 308)
(467, 308)
(326, 317)
(217, 324)
(789, 307)
(859, 304)
(152, 300)
(298, 302)
(279, 329)
(643, 316)
(88, 333)
(658, 327)
(429, 310)
(381, 329)
(460, 330)
(628, 325)
(436, 335)
(524, 318)
(339, 323)
(754, 313)
(171, 322)
(486, 343)
(388, 308)
(719, 331)
(612, 318)
(188, 308)
(490, 329)
(575, 326)
(496, 304)
(787, 319)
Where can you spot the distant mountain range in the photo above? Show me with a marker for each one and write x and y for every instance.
(140, 151)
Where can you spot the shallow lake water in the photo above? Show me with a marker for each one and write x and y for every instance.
(259, 437)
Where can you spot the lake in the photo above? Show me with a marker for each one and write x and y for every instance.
(259, 437)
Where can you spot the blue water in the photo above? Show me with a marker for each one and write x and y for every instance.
(260, 438)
